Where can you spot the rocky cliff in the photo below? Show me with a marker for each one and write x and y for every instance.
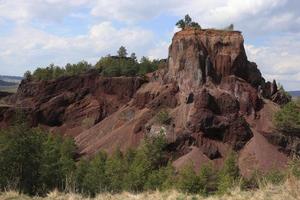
(216, 100)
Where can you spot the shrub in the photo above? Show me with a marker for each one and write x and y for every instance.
(229, 174)
(287, 120)
(163, 117)
(188, 181)
(294, 167)
(88, 122)
(149, 157)
(207, 179)
(275, 177)
(161, 179)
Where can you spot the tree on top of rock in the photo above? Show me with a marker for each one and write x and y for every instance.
(187, 22)
(122, 52)
(229, 28)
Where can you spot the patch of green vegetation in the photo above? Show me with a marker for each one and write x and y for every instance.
(229, 174)
(187, 22)
(287, 120)
(163, 117)
(33, 161)
(109, 66)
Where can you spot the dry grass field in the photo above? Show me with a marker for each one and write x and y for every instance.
(290, 190)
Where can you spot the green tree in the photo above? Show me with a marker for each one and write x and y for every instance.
(80, 174)
(138, 172)
(149, 157)
(20, 149)
(28, 75)
(229, 174)
(115, 171)
(188, 181)
(207, 179)
(95, 180)
(146, 66)
(133, 57)
(162, 178)
(57, 163)
(122, 52)
(187, 22)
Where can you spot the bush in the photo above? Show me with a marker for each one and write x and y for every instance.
(88, 122)
(163, 117)
(188, 181)
(229, 174)
(161, 179)
(207, 179)
(275, 177)
(287, 120)
(294, 167)
(149, 157)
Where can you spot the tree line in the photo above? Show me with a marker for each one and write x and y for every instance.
(34, 161)
(109, 66)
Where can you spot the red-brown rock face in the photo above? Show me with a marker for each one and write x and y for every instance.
(216, 99)
(199, 56)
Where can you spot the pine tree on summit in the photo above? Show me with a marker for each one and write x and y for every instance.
(187, 22)
(122, 52)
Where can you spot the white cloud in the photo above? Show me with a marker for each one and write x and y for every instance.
(49, 10)
(29, 46)
(246, 14)
(279, 59)
(119, 22)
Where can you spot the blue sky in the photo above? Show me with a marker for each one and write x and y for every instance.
(35, 33)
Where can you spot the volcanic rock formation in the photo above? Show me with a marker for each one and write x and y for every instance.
(216, 99)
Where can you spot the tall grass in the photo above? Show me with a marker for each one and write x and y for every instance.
(289, 190)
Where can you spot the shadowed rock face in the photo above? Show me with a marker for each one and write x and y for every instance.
(216, 100)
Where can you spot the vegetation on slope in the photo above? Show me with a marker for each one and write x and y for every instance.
(35, 162)
(287, 120)
(110, 66)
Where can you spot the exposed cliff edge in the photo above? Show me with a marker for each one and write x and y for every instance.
(217, 101)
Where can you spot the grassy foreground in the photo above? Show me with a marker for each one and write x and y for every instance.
(290, 190)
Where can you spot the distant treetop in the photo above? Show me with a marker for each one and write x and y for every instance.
(187, 22)
(122, 52)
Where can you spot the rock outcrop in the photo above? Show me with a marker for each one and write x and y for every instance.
(216, 99)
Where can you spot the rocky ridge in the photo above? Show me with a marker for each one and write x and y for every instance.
(217, 101)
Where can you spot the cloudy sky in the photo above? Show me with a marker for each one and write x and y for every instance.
(35, 33)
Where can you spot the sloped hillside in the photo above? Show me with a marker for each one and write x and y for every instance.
(209, 101)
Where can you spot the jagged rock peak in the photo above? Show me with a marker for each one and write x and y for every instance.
(200, 56)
